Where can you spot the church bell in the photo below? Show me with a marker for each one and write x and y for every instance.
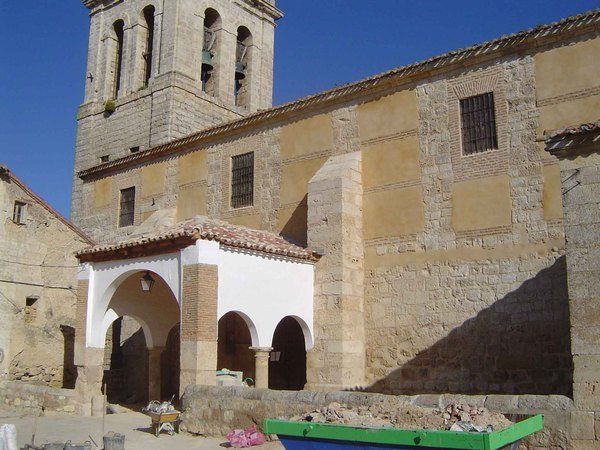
(207, 63)
(240, 70)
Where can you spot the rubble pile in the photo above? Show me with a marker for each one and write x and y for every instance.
(408, 416)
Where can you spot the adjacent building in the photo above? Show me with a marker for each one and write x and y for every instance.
(37, 287)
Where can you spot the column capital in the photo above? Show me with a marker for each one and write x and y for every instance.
(261, 349)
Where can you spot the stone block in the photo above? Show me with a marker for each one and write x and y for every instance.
(583, 425)
(502, 403)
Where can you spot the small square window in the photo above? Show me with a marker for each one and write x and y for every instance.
(19, 213)
(105, 158)
(127, 207)
(31, 308)
(134, 149)
(242, 180)
(478, 124)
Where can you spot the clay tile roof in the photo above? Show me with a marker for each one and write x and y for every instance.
(211, 230)
(572, 130)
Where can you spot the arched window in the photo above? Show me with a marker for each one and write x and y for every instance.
(149, 50)
(118, 28)
(210, 49)
(243, 58)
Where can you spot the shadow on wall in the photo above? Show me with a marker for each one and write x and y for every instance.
(518, 345)
(69, 370)
(296, 227)
(126, 363)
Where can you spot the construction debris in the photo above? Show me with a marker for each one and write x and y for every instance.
(246, 438)
(456, 417)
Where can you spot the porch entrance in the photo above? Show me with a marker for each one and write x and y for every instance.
(141, 353)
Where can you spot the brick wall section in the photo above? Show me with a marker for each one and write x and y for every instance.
(199, 303)
(199, 325)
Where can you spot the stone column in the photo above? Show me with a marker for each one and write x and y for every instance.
(154, 369)
(198, 358)
(89, 361)
(335, 228)
(88, 386)
(261, 368)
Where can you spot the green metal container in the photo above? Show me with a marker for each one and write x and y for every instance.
(307, 435)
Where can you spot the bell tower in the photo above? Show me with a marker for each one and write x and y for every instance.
(158, 70)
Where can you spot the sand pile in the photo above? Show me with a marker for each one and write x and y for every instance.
(406, 416)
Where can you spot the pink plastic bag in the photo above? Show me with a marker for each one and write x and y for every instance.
(246, 438)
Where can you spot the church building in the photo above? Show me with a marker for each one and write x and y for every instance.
(401, 234)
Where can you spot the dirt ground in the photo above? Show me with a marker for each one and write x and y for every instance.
(57, 427)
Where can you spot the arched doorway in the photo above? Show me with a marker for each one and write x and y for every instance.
(234, 342)
(170, 364)
(139, 319)
(287, 365)
(126, 362)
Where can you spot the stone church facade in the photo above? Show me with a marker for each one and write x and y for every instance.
(422, 200)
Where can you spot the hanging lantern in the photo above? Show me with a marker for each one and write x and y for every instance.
(147, 282)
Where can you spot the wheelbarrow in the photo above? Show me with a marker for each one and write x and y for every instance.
(168, 421)
(322, 436)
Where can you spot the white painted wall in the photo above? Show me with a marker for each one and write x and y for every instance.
(106, 277)
(265, 290)
(262, 288)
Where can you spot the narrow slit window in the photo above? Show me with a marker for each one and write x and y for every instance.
(119, 28)
(242, 180)
(210, 51)
(19, 213)
(148, 54)
(478, 124)
(127, 207)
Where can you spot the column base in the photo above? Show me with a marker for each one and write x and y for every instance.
(198, 364)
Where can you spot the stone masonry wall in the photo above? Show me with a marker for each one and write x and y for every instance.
(335, 228)
(449, 297)
(483, 310)
(217, 410)
(37, 262)
(580, 172)
(32, 398)
(172, 105)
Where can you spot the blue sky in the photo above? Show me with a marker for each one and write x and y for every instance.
(319, 44)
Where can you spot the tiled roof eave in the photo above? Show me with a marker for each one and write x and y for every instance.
(503, 45)
(572, 130)
(252, 240)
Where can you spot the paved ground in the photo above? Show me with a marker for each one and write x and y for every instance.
(56, 427)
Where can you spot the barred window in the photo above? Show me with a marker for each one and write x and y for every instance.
(19, 213)
(242, 180)
(478, 123)
(127, 207)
